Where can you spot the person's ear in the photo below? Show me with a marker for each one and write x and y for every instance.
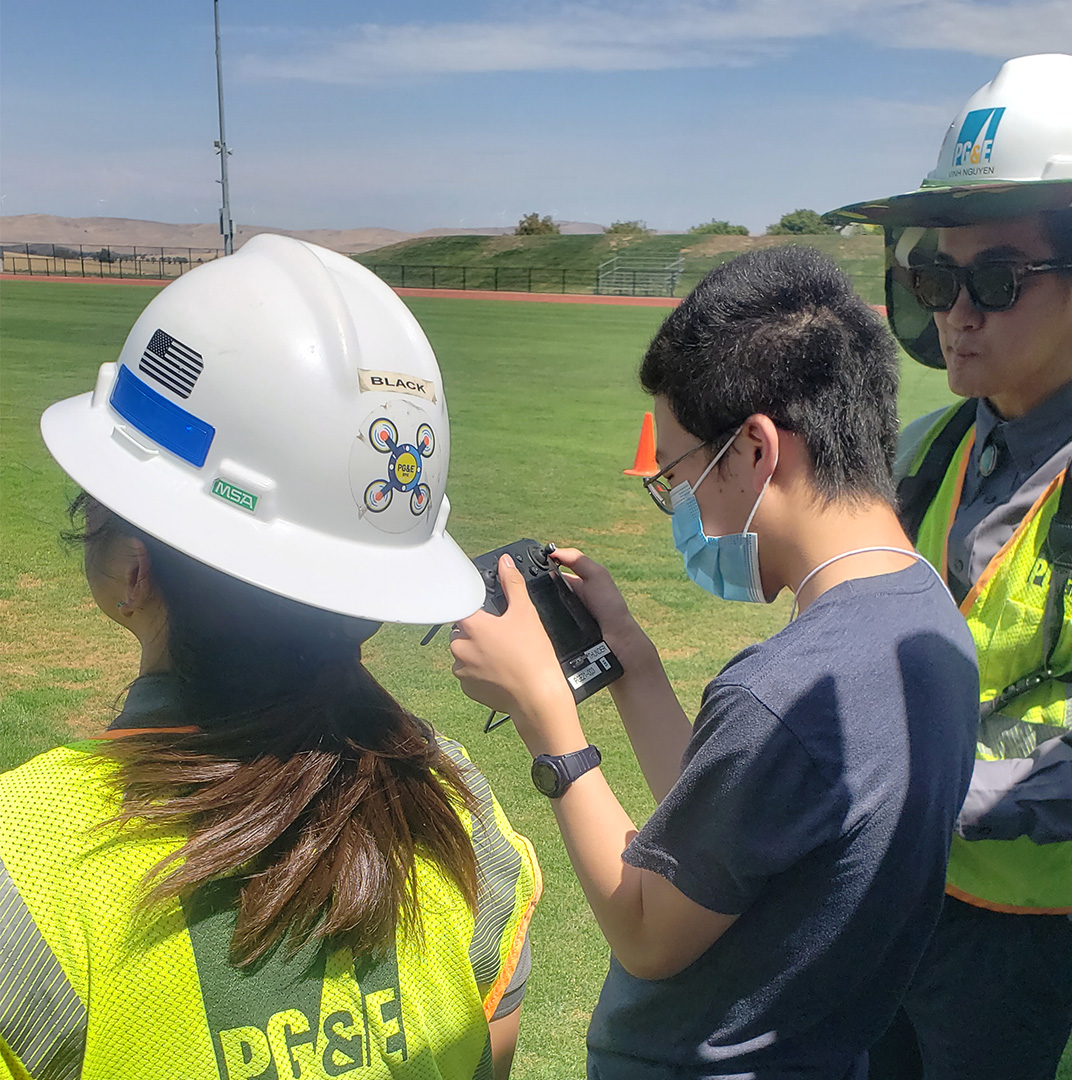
(762, 444)
(137, 577)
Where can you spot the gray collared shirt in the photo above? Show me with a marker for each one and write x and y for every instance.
(1011, 464)
(1020, 458)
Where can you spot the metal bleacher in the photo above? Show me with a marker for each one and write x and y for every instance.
(639, 275)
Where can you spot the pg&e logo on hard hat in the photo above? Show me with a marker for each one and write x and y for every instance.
(975, 143)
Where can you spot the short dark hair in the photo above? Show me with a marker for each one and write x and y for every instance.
(782, 332)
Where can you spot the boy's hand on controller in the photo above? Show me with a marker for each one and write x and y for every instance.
(594, 585)
(507, 661)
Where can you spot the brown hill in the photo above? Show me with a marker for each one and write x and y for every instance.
(98, 232)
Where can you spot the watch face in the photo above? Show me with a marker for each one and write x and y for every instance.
(544, 777)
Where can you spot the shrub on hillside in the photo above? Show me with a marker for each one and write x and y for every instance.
(800, 222)
(720, 228)
(628, 228)
(534, 225)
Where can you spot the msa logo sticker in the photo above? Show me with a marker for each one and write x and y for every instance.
(395, 382)
(975, 143)
(223, 490)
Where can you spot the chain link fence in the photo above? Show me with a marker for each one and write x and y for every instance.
(164, 263)
(540, 279)
(63, 260)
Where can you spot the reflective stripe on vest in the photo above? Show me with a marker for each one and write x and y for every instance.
(41, 1017)
(152, 995)
(1004, 613)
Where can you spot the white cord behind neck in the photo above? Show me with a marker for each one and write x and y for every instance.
(860, 551)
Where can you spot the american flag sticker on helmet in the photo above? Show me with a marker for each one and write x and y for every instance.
(171, 363)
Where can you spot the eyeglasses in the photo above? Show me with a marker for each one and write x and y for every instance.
(991, 286)
(659, 489)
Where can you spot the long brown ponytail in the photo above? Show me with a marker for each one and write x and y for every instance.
(306, 783)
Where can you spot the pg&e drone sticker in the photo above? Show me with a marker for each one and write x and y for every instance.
(403, 467)
(394, 469)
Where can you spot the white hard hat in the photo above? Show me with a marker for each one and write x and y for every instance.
(1007, 153)
(278, 414)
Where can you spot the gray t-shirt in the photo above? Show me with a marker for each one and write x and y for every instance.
(816, 800)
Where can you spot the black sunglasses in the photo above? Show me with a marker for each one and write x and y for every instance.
(991, 286)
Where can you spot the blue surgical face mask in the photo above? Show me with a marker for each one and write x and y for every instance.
(725, 566)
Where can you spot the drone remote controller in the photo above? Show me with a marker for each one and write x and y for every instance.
(587, 662)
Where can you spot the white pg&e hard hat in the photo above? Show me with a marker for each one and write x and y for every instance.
(1008, 153)
(278, 414)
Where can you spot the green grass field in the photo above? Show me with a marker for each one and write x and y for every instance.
(545, 413)
(550, 251)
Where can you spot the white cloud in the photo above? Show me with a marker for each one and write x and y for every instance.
(648, 36)
(981, 29)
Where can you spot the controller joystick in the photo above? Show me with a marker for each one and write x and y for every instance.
(585, 658)
(539, 557)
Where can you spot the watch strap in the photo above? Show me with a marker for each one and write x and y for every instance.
(569, 767)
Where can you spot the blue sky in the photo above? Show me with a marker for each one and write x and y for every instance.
(414, 115)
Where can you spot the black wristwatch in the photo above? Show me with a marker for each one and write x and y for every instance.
(553, 775)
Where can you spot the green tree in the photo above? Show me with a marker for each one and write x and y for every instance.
(628, 228)
(534, 225)
(720, 228)
(800, 222)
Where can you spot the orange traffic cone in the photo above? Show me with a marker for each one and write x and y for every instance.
(645, 463)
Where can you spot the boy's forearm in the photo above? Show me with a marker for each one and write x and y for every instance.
(657, 726)
(653, 930)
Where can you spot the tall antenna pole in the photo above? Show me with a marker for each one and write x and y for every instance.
(226, 224)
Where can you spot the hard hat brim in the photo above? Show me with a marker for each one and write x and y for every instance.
(430, 582)
(959, 204)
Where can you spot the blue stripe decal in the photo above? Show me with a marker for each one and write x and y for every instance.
(163, 421)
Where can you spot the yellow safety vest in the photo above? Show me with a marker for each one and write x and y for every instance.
(91, 988)
(1004, 613)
